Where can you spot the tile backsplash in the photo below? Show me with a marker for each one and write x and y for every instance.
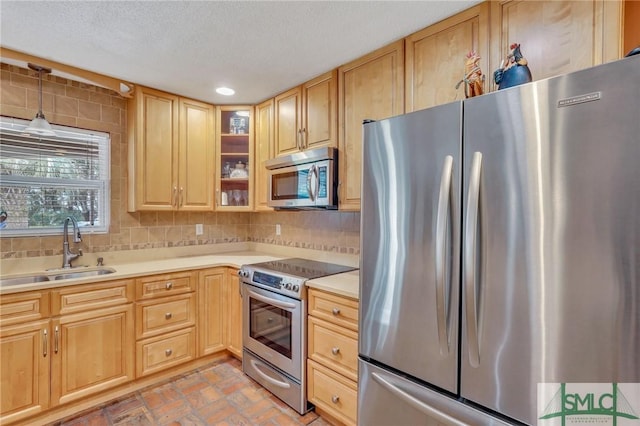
(75, 104)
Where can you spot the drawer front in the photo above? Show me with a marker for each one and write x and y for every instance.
(159, 353)
(88, 297)
(165, 285)
(154, 317)
(335, 309)
(334, 347)
(332, 393)
(23, 307)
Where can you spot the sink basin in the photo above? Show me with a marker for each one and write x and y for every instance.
(81, 274)
(65, 274)
(27, 279)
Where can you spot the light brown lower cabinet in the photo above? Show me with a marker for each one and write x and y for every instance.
(211, 288)
(25, 361)
(91, 352)
(70, 344)
(233, 313)
(332, 365)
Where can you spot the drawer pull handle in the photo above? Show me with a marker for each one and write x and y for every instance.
(168, 315)
(335, 399)
(335, 311)
(269, 320)
(168, 352)
(169, 285)
(335, 351)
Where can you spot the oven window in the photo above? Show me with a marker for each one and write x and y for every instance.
(270, 326)
(290, 186)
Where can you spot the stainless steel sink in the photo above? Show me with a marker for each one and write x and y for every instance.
(81, 274)
(65, 274)
(27, 279)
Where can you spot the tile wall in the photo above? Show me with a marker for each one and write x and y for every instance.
(75, 104)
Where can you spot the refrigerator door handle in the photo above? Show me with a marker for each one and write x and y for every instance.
(470, 260)
(432, 412)
(442, 290)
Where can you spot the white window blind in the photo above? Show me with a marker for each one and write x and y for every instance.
(45, 179)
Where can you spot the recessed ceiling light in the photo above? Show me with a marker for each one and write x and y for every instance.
(225, 91)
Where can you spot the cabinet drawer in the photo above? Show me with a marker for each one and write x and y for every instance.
(155, 317)
(334, 347)
(165, 285)
(335, 309)
(88, 297)
(23, 307)
(158, 353)
(332, 392)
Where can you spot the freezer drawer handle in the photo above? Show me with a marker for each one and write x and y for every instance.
(432, 412)
(470, 260)
(443, 292)
(256, 366)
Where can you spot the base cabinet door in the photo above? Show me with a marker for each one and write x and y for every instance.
(210, 311)
(233, 313)
(91, 351)
(25, 361)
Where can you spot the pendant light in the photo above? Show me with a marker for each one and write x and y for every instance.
(39, 125)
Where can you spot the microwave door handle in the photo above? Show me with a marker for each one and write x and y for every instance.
(317, 172)
(312, 196)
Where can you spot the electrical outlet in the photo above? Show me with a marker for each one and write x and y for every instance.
(278, 229)
(199, 229)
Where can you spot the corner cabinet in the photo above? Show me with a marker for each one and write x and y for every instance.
(171, 152)
(306, 116)
(234, 158)
(371, 87)
(264, 144)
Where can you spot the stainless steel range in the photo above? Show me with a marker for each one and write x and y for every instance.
(274, 324)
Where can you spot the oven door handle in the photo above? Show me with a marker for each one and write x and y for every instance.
(277, 303)
(255, 364)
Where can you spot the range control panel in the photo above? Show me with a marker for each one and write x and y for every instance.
(280, 283)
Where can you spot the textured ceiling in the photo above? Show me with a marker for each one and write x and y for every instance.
(259, 48)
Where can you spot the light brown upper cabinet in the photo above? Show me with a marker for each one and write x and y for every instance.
(263, 151)
(436, 56)
(171, 152)
(306, 116)
(556, 37)
(371, 87)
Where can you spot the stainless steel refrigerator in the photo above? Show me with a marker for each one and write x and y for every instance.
(500, 249)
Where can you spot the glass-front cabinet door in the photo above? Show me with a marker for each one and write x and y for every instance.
(234, 189)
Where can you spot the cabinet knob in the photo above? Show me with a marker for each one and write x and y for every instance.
(335, 311)
(335, 399)
(168, 352)
(168, 315)
(169, 285)
(335, 351)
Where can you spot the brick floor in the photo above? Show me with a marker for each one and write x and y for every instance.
(219, 394)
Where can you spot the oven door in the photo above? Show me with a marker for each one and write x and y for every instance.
(273, 328)
(306, 185)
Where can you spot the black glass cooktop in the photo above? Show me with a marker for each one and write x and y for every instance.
(303, 268)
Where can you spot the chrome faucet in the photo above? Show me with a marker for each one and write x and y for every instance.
(67, 255)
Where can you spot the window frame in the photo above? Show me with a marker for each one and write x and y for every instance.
(102, 185)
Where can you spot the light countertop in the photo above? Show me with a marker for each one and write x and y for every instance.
(166, 262)
(346, 284)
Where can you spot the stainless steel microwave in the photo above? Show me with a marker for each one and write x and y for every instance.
(304, 180)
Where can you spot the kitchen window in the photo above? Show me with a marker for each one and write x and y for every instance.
(45, 179)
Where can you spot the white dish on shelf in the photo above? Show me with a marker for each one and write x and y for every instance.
(239, 174)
